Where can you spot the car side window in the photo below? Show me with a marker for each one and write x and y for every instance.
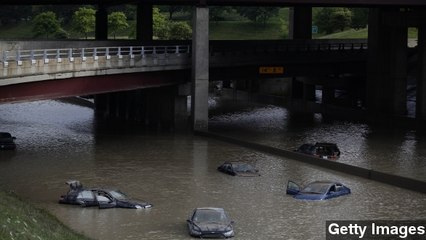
(85, 195)
(332, 189)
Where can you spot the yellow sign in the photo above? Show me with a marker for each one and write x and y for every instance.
(271, 70)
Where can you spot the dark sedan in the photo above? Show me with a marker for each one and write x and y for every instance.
(7, 142)
(103, 198)
(238, 169)
(321, 150)
(210, 223)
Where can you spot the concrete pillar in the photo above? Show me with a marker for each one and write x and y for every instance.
(300, 23)
(309, 92)
(200, 68)
(327, 95)
(398, 67)
(296, 89)
(144, 22)
(421, 75)
(387, 62)
(101, 27)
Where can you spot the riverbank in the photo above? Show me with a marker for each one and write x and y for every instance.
(21, 220)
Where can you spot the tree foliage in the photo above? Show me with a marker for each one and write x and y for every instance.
(179, 31)
(359, 18)
(258, 14)
(46, 24)
(84, 20)
(117, 21)
(330, 20)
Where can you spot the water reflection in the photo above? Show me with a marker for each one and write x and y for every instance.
(393, 151)
(177, 173)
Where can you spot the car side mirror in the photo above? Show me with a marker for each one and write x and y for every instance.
(13, 138)
(189, 221)
(233, 222)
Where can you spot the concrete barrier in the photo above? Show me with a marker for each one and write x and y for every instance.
(391, 179)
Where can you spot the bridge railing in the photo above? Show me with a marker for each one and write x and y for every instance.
(316, 45)
(46, 55)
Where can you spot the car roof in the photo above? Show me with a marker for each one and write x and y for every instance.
(210, 208)
(5, 134)
(323, 182)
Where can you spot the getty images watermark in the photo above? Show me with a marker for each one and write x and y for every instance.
(380, 229)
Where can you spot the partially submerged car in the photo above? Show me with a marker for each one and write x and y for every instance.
(103, 198)
(321, 150)
(7, 141)
(318, 190)
(238, 169)
(210, 222)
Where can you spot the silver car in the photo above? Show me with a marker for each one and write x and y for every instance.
(210, 222)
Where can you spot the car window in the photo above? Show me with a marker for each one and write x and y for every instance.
(85, 195)
(101, 198)
(118, 195)
(316, 188)
(209, 215)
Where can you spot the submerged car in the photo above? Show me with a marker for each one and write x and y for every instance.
(318, 190)
(238, 169)
(210, 223)
(103, 198)
(7, 142)
(321, 150)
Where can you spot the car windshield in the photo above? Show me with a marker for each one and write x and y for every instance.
(316, 188)
(242, 167)
(210, 215)
(118, 195)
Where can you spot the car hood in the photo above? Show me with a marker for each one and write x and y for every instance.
(213, 226)
(307, 196)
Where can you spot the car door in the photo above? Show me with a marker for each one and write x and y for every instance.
(332, 192)
(104, 200)
(86, 198)
(292, 188)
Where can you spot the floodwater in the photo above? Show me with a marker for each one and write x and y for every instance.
(58, 141)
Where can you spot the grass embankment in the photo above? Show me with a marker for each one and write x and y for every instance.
(21, 220)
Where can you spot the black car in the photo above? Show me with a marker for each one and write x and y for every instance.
(210, 223)
(103, 198)
(7, 142)
(321, 150)
(238, 169)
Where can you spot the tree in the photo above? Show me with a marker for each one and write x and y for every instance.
(160, 26)
(179, 31)
(359, 18)
(330, 20)
(83, 21)
(46, 24)
(258, 14)
(117, 21)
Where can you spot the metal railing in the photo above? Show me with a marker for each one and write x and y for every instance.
(46, 55)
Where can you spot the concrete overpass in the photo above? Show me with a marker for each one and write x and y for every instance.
(387, 64)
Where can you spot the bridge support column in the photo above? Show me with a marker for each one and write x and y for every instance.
(200, 68)
(387, 62)
(421, 75)
(327, 95)
(300, 23)
(144, 22)
(101, 28)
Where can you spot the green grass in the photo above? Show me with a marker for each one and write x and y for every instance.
(351, 33)
(22, 30)
(21, 220)
(230, 30)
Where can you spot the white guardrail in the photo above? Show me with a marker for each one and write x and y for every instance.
(19, 56)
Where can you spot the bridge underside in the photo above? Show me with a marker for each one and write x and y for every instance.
(81, 86)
